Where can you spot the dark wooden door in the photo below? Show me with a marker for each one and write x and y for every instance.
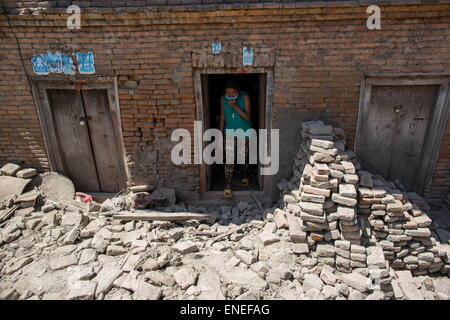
(86, 139)
(394, 130)
(73, 139)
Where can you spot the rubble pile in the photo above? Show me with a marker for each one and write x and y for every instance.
(399, 224)
(338, 233)
(349, 216)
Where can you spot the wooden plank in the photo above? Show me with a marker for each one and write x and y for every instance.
(9, 212)
(262, 118)
(396, 75)
(149, 215)
(74, 141)
(96, 106)
(433, 140)
(206, 123)
(403, 81)
(114, 109)
(200, 117)
(45, 116)
(269, 183)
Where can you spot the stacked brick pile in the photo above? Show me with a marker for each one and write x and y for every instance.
(350, 216)
(399, 224)
(322, 192)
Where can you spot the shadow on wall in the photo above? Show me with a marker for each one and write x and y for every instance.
(28, 149)
(142, 164)
(152, 165)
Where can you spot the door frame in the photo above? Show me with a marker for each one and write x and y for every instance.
(438, 119)
(39, 88)
(200, 104)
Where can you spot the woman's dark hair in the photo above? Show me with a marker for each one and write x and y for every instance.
(230, 84)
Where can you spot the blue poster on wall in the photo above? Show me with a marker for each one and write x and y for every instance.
(85, 63)
(68, 67)
(216, 47)
(40, 64)
(247, 56)
(54, 62)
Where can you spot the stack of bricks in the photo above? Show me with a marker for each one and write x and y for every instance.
(322, 190)
(398, 222)
(330, 198)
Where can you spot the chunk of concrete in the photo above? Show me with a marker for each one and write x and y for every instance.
(26, 173)
(9, 169)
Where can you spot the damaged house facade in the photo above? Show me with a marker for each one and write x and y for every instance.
(99, 103)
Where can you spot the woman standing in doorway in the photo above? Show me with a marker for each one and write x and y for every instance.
(235, 114)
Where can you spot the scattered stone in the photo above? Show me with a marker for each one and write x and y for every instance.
(300, 248)
(410, 291)
(242, 206)
(279, 273)
(312, 281)
(246, 256)
(82, 290)
(150, 264)
(26, 173)
(71, 236)
(356, 281)
(280, 219)
(114, 250)
(88, 256)
(328, 277)
(185, 277)
(106, 277)
(330, 292)
(16, 265)
(268, 238)
(73, 219)
(63, 262)
(10, 169)
(185, 247)
(146, 291)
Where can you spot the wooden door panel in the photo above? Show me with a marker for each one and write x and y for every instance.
(412, 120)
(96, 106)
(379, 126)
(73, 139)
(394, 128)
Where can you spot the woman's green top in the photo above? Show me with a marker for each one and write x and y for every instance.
(233, 120)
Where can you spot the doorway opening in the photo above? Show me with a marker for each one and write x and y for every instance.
(254, 84)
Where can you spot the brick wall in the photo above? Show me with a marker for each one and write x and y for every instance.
(320, 55)
(13, 4)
